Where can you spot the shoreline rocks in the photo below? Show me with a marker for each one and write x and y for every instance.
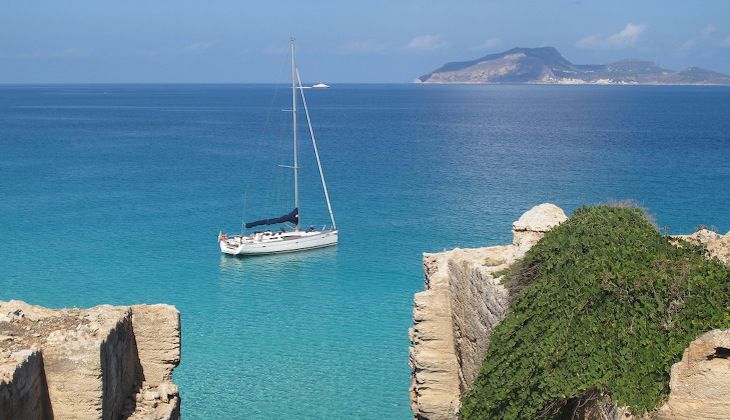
(106, 362)
(464, 300)
(454, 317)
(700, 382)
(718, 246)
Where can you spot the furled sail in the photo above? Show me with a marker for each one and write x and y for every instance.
(292, 217)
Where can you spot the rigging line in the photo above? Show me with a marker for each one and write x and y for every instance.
(316, 152)
(255, 156)
(276, 196)
(257, 152)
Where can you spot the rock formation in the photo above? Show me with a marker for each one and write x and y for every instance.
(700, 382)
(717, 245)
(533, 225)
(545, 65)
(105, 362)
(464, 301)
(454, 317)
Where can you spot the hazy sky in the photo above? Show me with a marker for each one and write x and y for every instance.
(339, 41)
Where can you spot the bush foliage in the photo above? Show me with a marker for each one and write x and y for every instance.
(604, 303)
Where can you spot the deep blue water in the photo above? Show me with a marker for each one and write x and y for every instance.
(116, 193)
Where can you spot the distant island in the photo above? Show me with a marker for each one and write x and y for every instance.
(546, 65)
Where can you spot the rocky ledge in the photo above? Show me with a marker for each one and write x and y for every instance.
(454, 317)
(717, 246)
(106, 362)
(464, 301)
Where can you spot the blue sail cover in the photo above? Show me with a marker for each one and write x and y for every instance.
(292, 217)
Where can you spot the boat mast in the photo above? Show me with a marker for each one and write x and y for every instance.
(316, 152)
(294, 121)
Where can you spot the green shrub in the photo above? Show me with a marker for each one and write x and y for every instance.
(603, 303)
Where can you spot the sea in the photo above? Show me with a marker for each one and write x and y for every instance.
(115, 194)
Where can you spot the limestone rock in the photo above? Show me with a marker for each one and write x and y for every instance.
(435, 381)
(23, 391)
(702, 236)
(720, 248)
(453, 320)
(161, 402)
(465, 300)
(700, 382)
(533, 224)
(85, 364)
(454, 317)
(157, 330)
(471, 274)
(15, 310)
(717, 245)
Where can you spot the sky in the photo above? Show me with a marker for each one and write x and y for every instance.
(246, 41)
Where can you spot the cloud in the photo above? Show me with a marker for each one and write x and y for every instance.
(627, 37)
(367, 46)
(708, 30)
(73, 52)
(704, 41)
(426, 43)
(687, 46)
(487, 44)
(198, 47)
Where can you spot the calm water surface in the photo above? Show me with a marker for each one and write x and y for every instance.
(115, 194)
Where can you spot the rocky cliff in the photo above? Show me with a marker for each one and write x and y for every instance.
(465, 300)
(718, 246)
(454, 317)
(105, 362)
(700, 382)
(546, 65)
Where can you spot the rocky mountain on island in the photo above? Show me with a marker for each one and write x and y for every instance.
(545, 65)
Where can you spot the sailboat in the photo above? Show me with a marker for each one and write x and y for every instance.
(296, 239)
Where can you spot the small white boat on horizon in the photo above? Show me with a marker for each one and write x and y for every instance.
(275, 242)
(320, 86)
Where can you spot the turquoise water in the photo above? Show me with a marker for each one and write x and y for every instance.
(115, 194)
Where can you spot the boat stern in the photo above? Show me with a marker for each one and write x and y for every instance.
(226, 247)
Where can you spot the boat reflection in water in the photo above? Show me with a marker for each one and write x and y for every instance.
(274, 266)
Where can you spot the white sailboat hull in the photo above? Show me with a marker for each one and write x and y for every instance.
(277, 243)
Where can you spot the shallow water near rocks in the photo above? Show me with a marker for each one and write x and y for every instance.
(116, 193)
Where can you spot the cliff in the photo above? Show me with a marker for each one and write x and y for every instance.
(545, 65)
(718, 246)
(466, 298)
(700, 382)
(454, 317)
(105, 362)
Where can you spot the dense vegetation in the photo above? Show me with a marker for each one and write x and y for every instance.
(603, 303)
